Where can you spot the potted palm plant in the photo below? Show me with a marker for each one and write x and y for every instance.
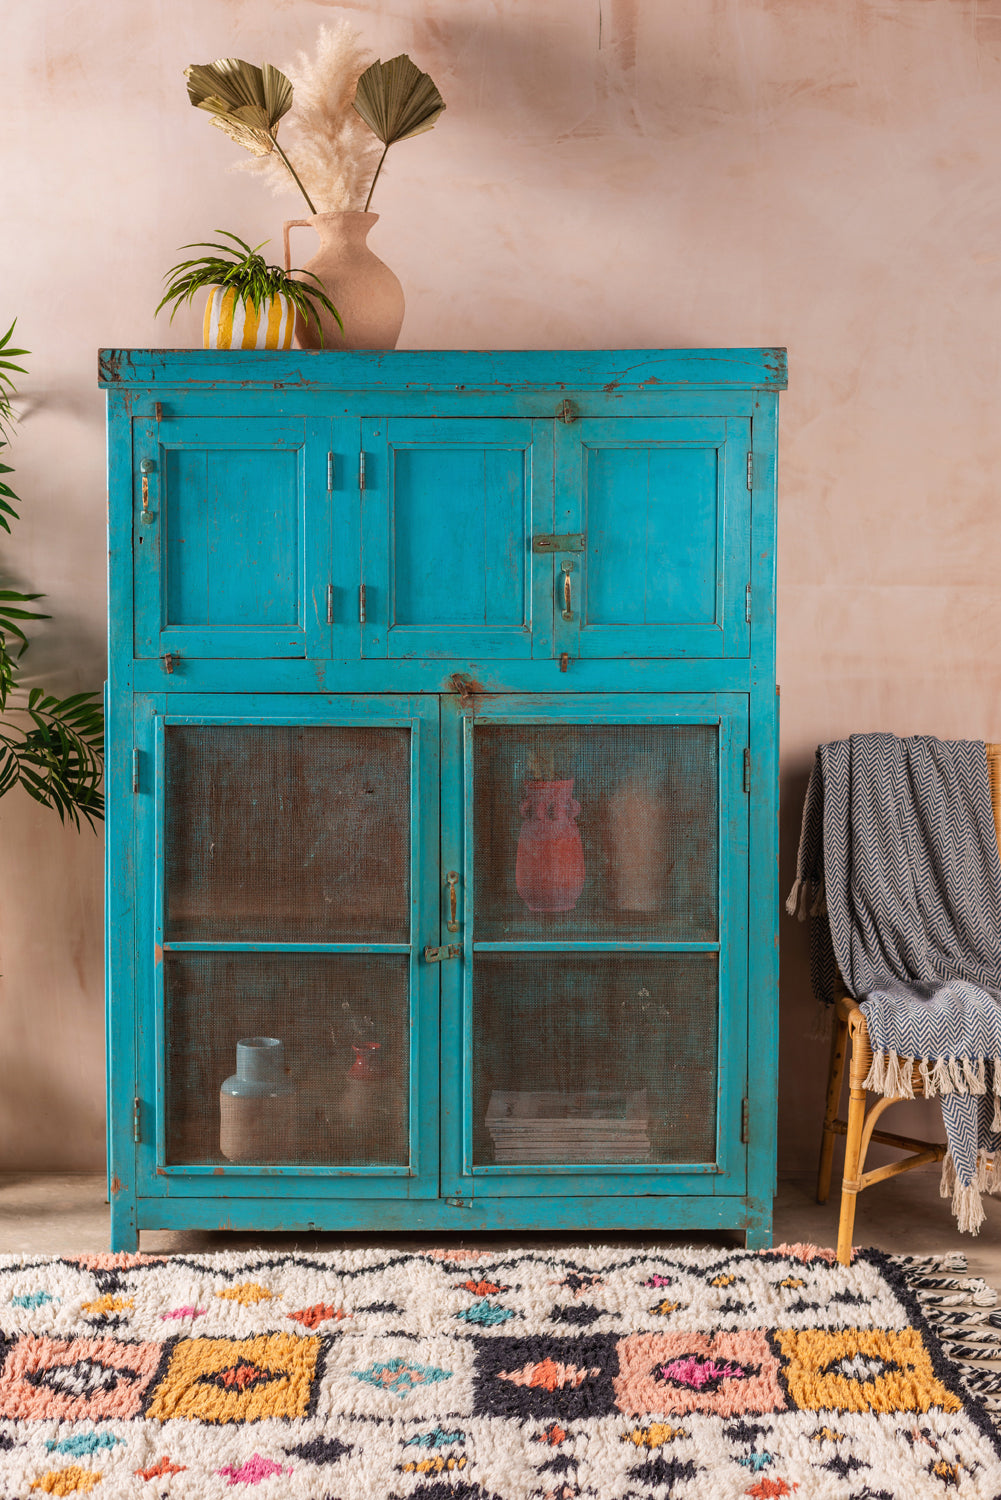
(52, 747)
(251, 305)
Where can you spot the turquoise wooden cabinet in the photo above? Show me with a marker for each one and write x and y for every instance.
(442, 790)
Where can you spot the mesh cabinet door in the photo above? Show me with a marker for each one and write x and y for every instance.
(602, 994)
(293, 1031)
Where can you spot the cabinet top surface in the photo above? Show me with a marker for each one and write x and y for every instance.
(431, 369)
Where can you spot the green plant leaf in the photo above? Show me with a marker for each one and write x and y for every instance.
(396, 100)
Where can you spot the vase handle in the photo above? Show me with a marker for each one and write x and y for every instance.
(292, 224)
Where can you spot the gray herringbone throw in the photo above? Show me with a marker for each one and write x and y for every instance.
(898, 862)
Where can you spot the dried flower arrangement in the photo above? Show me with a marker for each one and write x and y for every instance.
(336, 97)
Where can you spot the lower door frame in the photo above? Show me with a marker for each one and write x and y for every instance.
(155, 1178)
(464, 1184)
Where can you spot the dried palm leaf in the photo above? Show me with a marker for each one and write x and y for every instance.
(396, 100)
(246, 103)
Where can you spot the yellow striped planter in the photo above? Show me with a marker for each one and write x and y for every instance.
(232, 324)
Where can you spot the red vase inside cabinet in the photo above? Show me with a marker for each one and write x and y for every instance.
(549, 874)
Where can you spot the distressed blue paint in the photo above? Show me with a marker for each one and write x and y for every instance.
(249, 551)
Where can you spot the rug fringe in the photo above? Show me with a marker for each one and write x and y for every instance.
(958, 1310)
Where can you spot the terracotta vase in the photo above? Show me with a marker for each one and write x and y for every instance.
(257, 1106)
(636, 830)
(364, 290)
(549, 872)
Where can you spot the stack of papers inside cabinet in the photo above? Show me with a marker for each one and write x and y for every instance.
(601, 1125)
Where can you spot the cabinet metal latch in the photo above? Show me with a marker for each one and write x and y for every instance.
(442, 955)
(566, 412)
(170, 660)
(572, 542)
(745, 1122)
(459, 1202)
(137, 1134)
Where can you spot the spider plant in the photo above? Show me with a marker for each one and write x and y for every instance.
(245, 270)
(53, 747)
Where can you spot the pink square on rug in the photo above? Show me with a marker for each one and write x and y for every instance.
(76, 1379)
(668, 1373)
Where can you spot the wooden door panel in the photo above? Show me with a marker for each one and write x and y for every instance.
(448, 514)
(664, 510)
(231, 543)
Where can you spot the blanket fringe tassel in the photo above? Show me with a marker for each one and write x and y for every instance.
(966, 1204)
(892, 1076)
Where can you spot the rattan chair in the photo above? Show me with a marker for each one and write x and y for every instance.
(850, 1031)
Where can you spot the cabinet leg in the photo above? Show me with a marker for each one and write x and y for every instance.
(124, 1231)
(758, 1234)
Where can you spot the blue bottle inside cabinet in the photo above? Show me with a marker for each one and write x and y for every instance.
(443, 761)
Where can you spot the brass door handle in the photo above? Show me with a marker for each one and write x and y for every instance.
(567, 592)
(146, 468)
(452, 877)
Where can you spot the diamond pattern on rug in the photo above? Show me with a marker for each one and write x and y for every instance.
(615, 1374)
(237, 1380)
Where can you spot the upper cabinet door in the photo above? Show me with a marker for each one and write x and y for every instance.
(449, 507)
(231, 538)
(652, 537)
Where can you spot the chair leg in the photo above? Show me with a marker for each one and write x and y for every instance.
(849, 1186)
(835, 1079)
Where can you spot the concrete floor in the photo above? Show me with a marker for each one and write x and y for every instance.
(63, 1215)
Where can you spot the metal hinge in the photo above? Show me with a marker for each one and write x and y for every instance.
(747, 768)
(330, 603)
(361, 470)
(135, 770)
(745, 1122)
(442, 955)
(137, 1134)
(361, 604)
(330, 472)
(750, 469)
(747, 604)
(459, 1202)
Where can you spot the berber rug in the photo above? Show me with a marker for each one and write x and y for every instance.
(614, 1374)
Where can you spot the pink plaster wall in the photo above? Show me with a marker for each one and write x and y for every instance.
(817, 173)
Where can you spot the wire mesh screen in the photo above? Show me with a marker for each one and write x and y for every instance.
(596, 831)
(287, 1057)
(600, 1058)
(289, 833)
